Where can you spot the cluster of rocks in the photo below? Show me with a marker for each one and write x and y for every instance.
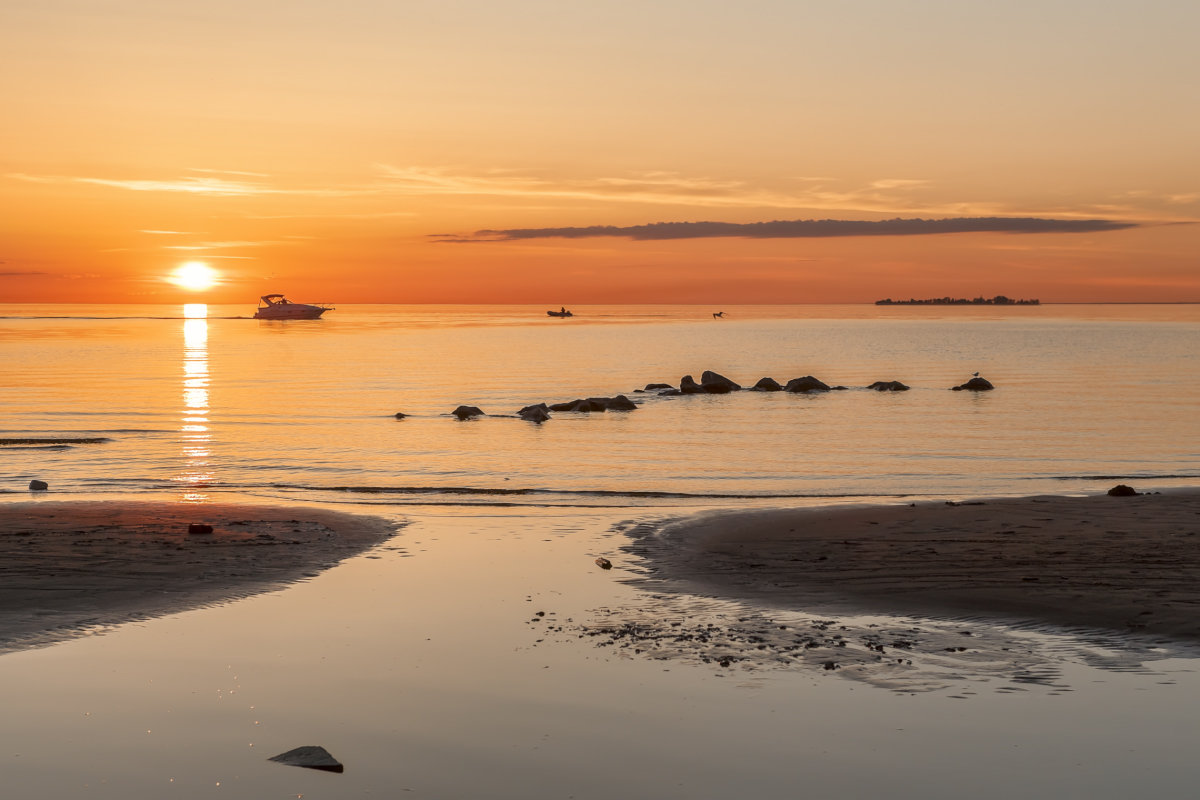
(715, 383)
(710, 383)
(540, 412)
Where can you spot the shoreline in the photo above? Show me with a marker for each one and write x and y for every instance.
(69, 567)
(1124, 564)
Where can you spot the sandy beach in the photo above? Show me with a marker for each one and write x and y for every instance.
(1115, 563)
(67, 567)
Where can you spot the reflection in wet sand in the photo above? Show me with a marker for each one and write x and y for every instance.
(739, 615)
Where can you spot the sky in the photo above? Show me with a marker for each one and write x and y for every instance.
(561, 153)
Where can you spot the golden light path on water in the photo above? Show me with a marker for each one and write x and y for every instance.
(196, 472)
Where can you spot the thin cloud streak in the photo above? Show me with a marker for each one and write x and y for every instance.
(214, 187)
(222, 245)
(229, 172)
(800, 229)
(653, 187)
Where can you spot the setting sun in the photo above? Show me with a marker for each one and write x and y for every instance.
(194, 275)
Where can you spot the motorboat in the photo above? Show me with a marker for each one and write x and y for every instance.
(276, 306)
(563, 313)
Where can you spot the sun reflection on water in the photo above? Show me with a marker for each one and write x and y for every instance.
(196, 473)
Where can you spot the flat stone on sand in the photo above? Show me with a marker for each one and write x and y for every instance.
(310, 756)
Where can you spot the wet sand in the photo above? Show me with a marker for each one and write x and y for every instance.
(1115, 563)
(69, 567)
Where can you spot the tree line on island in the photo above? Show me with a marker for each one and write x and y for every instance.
(998, 300)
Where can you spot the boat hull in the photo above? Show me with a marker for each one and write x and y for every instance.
(290, 311)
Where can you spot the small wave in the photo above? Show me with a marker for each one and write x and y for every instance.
(50, 440)
(1142, 477)
(97, 434)
(173, 317)
(476, 490)
(485, 491)
(9, 448)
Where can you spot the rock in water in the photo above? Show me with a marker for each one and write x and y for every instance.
(1121, 490)
(716, 383)
(688, 385)
(806, 384)
(603, 563)
(767, 385)
(466, 412)
(888, 386)
(400, 415)
(38, 486)
(310, 756)
(199, 527)
(975, 385)
(536, 413)
(621, 403)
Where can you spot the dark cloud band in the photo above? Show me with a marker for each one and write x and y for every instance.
(805, 229)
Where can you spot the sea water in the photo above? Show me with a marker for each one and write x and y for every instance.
(424, 665)
(201, 401)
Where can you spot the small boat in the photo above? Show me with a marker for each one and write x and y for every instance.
(563, 313)
(276, 306)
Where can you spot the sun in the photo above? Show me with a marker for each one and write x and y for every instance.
(195, 276)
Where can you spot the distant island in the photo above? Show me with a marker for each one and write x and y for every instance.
(998, 300)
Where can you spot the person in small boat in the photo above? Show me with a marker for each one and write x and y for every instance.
(563, 310)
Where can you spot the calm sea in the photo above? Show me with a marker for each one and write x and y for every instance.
(204, 402)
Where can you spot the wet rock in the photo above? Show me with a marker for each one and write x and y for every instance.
(199, 527)
(767, 385)
(310, 756)
(621, 403)
(806, 384)
(976, 384)
(688, 385)
(466, 412)
(38, 486)
(400, 415)
(715, 383)
(603, 563)
(570, 405)
(538, 413)
(888, 386)
(1121, 490)
(651, 387)
(670, 393)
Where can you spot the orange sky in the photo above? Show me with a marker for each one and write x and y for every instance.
(336, 151)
